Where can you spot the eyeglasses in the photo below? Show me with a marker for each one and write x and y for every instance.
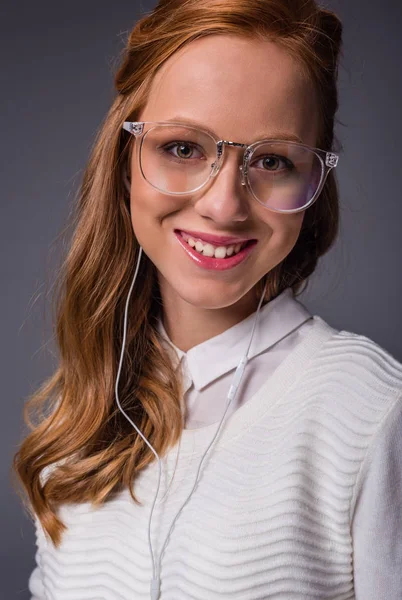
(283, 176)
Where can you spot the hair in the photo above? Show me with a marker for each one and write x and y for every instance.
(82, 441)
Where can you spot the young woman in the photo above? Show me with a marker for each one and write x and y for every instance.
(207, 436)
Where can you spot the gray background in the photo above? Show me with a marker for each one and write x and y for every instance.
(58, 60)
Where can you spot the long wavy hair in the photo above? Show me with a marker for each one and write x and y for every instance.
(80, 439)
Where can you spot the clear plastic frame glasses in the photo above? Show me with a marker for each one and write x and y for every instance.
(283, 176)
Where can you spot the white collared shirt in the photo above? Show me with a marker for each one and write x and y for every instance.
(209, 367)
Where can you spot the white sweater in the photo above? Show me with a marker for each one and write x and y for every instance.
(299, 498)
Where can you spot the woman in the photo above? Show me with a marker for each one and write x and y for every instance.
(209, 437)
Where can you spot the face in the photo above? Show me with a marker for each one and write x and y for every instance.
(243, 91)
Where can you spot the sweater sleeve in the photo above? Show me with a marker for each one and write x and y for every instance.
(376, 524)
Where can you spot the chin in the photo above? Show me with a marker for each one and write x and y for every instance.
(210, 295)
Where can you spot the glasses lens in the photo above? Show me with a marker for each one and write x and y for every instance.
(284, 176)
(176, 158)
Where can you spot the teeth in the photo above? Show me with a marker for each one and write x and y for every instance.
(220, 252)
(210, 250)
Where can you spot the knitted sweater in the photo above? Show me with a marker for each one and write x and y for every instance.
(299, 498)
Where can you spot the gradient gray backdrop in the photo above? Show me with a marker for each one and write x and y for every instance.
(58, 60)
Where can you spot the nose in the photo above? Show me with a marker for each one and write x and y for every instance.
(224, 199)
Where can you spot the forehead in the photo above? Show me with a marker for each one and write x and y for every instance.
(239, 88)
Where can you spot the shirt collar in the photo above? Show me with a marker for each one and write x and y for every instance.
(218, 355)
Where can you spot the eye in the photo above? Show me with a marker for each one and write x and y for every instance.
(185, 150)
(272, 162)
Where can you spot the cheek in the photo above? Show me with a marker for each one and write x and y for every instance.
(292, 226)
(145, 199)
(283, 227)
(282, 232)
(148, 201)
(148, 206)
(151, 213)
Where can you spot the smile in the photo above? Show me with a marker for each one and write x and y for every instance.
(211, 250)
(209, 256)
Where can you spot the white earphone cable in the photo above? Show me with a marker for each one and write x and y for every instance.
(120, 407)
(155, 583)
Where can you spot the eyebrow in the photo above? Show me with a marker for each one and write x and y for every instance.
(275, 135)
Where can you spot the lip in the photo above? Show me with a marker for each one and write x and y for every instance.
(215, 264)
(216, 240)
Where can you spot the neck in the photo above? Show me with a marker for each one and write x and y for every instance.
(188, 325)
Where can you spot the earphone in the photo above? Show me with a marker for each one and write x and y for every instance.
(155, 582)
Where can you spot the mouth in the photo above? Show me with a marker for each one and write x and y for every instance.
(215, 257)
(214, 249)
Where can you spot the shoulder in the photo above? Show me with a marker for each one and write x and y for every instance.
(359, 364)
(350, 398)
(351, 385)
